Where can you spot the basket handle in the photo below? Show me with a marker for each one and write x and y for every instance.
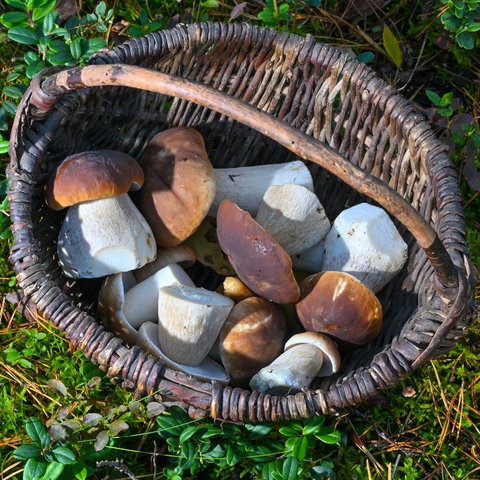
(45, 93)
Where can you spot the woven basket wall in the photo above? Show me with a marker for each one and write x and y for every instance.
(319, 91)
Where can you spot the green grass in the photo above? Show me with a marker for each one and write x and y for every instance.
(426, 427)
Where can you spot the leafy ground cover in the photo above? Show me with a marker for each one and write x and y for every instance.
(71, 422)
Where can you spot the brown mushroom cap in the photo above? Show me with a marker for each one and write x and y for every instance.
(258, 259)
(252, 336)
(92, 175)
(179, 185)
(338, 304)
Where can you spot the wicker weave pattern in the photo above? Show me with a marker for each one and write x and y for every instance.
(319, 91)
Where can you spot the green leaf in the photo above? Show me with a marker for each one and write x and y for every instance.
(433, 97)
(101, 8)
(23, 36)
(14, 19)
(49, 23)
(63, 455)
(34, 68)
(465, 40)
(290, 468)
(392, 46)
(76, 48)
(41, 10)
(300, 448)
(330, 438)
(312, 425)
(234, 454)
(24, 452)
(446, 99)
(13, 91)
(4, 146)
(37, 432)
(54, 470)
(34, 469)
(209, 4)
(16, 3)
(366, 57)
(189, 432)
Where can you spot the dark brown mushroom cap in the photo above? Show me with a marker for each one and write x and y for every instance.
(92, 175)
(252, 336)
(260, 262)
(338, 304)
(179, 185)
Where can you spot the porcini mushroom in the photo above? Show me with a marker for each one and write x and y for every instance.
(258, 259)
(103, 232)
(208, 369)
(306, 355)
(340, 305)
(110, 303)
(141, 301)
(190, 319)
(294, 216)
(247, 185)
(252, 336)
(364, 242)
(179, 184)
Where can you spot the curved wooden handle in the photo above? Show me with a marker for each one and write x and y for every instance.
(53, 87)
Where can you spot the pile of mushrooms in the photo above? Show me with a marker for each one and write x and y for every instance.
(297, 288)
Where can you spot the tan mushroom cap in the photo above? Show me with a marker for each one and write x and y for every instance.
(340, 305)
(179, 184)
(252, 336)
(258, 259)
(92, 175)
(331, 355)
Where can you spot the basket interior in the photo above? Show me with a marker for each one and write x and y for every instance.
(315, 88)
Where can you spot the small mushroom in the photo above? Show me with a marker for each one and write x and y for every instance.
(234, 288)
(247, 185)
(294, 216)
(258, 259)
(340, 305)
(110, 303)
(207, 369)
(141, 301)
(179, 184)
(306, 356)
(252, 336)
(190, 319)
(364, 242)
(103, 232)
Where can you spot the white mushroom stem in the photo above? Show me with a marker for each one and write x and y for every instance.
(293, 215)
(103, 237)
(182, 254)
(294, 369)
(110, 302)
(207, 370)
(190, 319)
(247, 185)
(365, 243)
(306, 356)
(310, 260)
(141, 301)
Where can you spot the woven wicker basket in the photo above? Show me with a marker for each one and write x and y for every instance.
(257, 96)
